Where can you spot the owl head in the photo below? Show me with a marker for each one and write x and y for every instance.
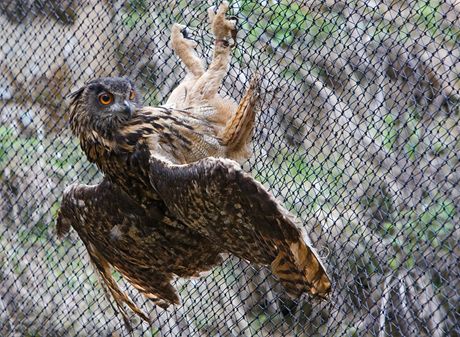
(103, 105)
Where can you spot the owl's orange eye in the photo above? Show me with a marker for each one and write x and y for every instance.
(132, 95)
(105, 98)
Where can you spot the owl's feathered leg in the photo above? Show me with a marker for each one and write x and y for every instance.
(208, 84)
(237, 133)
(185, 50)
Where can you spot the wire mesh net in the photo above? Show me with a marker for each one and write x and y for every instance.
(358, 134)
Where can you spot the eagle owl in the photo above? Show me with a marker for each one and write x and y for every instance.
(173, 198)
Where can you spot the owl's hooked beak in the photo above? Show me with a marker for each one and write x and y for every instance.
(128, 108)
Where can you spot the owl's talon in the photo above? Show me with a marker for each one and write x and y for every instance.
(233, 19)
(180, 36)
(223, 27)
(185, 33)
(177, 27)
(181, 31)
(223, 43)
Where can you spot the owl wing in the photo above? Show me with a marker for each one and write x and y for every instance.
(144, 244)
(220, 201)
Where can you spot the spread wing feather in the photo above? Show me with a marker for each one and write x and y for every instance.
(217, 199)
(145, 244)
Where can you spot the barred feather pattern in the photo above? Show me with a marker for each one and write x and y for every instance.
(168, 194)
(147, 245)
(220, 201)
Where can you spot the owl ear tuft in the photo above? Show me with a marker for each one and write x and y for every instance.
(76, 94)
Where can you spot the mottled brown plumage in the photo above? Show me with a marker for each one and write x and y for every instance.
(217, 199)
(170, 194)
(147, 245)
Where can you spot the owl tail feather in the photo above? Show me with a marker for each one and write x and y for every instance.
(300, 270)
(239, 129)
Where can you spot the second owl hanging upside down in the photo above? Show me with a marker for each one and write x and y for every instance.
(173, 198)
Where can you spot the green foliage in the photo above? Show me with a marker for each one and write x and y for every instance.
(25, 148)
(413, 232)
(285, 22)
(430, 17)
(25, 153)
(136, 13)
(12, 146)
(389, 132)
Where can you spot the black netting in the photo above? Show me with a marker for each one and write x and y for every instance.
(358, 135)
